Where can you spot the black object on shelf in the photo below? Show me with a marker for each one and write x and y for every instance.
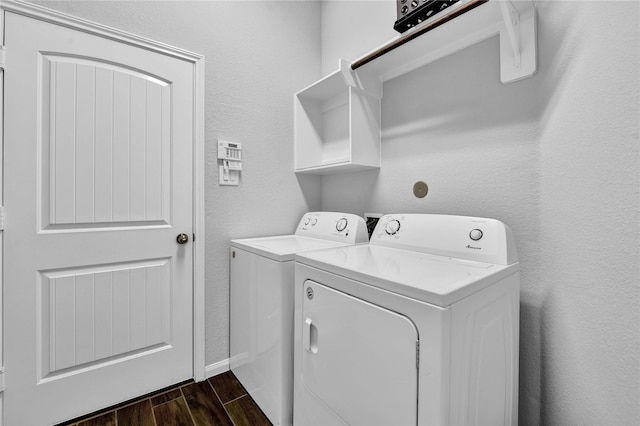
(414, 12)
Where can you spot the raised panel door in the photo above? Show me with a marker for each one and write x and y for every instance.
(98, 183)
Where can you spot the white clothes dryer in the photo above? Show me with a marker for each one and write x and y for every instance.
(261, 305)
(420, 326)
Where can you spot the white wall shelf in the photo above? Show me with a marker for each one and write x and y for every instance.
(337, 119)
(337, 124)
(513, 21)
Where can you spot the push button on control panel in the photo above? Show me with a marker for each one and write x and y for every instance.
(475, 234)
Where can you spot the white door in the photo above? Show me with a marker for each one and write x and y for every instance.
(358, 359)
(98, 183)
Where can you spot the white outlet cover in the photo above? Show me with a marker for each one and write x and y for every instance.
(233, 177)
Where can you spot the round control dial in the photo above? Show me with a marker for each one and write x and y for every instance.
(341, 225)
(306, 220)
(475, 234)
(392, 227)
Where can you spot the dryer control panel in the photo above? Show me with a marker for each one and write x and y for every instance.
(334, 226)
(470, 238)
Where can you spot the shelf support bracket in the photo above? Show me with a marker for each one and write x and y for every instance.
(362, 82)
(347, 73)
(518, 44)
(511, 19)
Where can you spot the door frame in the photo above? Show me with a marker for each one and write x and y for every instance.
(197, 61)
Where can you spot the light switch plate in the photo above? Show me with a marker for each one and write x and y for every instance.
(232, 178)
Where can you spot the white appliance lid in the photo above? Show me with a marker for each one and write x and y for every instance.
(282, 248)
(438, 280)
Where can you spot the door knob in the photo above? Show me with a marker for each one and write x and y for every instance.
(182, 238)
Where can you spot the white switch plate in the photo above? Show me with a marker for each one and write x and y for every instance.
(233, 177)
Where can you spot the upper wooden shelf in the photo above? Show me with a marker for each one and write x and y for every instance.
(475, 21)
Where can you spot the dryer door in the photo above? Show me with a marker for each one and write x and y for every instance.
(359, 359)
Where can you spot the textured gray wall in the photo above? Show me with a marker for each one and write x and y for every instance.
(557, 158)
(258, 53)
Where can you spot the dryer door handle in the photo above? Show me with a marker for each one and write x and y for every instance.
(310, 336)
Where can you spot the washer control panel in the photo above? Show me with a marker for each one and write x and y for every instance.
(470, 238)
(334, 226)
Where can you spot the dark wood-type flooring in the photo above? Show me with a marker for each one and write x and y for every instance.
(220, 400)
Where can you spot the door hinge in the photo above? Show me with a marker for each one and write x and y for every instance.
(1, 218)
(418, 354)
(3, 57)
(2, 379)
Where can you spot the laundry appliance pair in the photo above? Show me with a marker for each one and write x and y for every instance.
(419, 326)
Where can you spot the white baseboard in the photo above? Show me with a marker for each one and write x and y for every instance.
(217, 368)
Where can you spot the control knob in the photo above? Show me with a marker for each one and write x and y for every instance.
(475, 234)
(392, 227)
(341, 225)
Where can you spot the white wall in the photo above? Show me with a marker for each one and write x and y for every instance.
(556, 157)
(257, 55)
(352, 28)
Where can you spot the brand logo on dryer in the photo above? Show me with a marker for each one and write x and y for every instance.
(469, 246)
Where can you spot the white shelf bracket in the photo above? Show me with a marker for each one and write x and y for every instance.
(347, 73)
(360, 81)
(518, 44)
(511, 19)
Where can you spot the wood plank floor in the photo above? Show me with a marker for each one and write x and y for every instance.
(220, 400)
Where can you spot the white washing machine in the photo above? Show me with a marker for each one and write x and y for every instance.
(420, 326)
(261, 305)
